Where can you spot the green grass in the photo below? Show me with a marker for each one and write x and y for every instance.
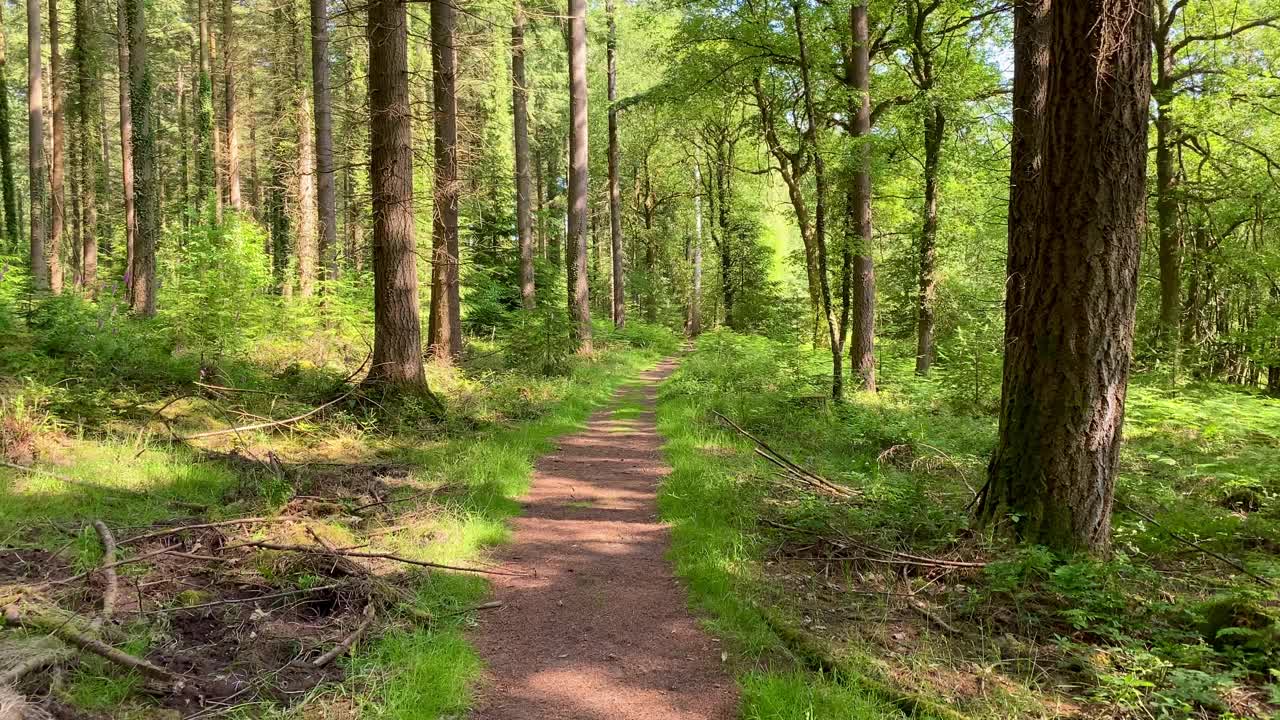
(916, 451)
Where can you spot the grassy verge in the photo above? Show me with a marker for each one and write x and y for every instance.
(825, 627)
(93, 408)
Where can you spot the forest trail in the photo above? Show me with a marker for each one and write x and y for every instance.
(602, 631)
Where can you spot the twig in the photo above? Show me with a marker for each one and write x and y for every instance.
(342, 647)
(72, 481)
(252, 391)
(273, 423)
(1195, 545)
(380, 503)
(777, 458)
(237, 601)
(383, 556)
(108, 574)
(220, 523)
(929, 614)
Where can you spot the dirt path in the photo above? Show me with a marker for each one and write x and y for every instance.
(602, 632)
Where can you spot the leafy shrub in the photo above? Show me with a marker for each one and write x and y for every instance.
(539, 342)
(218, 299)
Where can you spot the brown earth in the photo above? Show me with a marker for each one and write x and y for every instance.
(601, 629)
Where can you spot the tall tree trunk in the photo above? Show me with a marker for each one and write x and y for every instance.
(576, 242)
(834, 338)
(206, 191)
(57, 162)
(935, 123)
(88, 103)
(126, 143)
(1168, 334)
(555, 224)
(35, 147)
(397, 341)
(520, 117)
(446, 320)
(326, 201)
(143, 293)
(615, 193)
(863, 329)
(229, 119)
(7, 188)
(185, 139)
(695, 297)
(1076, 213)
(724, 201)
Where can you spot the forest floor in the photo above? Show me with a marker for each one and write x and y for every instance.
(835, 555)
(327, 566)
(598, 628)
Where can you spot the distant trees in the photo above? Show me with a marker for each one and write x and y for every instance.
(1076, 214)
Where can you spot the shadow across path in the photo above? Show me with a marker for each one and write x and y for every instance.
(600, 629)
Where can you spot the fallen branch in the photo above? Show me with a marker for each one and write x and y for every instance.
(381, 503)
(224, 388)
(108, 574)
(1195, 545)
(802, 473)
(64, 631)
(273, 423)
(383, 556)
(342, 647)
(238, 601)
(72, 481)
(201, 526)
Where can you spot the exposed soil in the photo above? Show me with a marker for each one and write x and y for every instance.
(601, 630)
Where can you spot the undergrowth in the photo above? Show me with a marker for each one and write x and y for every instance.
(800, 580)
(97, 403)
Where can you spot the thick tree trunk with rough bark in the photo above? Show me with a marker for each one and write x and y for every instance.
(397, 340)
(35, 147)
(615, 192)
(326, 196)
(126, 142)
(1076, 213)
(862, 350)
(524, 190)
(935, 123)
(143, 294)
(57, 161)
(229, 119)
(446, 318)
(576, 242)
(8, 190)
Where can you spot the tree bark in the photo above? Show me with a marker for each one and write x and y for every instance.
(397, 342)
(615, 192)
(1169, 232)
(576, 242)
(205, 168)
(88, 142)
(143, 292)
(126, 143)
(695, 297)
(520, 117)
(326, 200)
(834, 338)
(446, 322)
(1076, 213)
(863, 327)
(35, 147)
(230, 121)
(57, 162)
(7, 187)
(935, 122)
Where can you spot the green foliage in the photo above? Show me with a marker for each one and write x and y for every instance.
(221, 276)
